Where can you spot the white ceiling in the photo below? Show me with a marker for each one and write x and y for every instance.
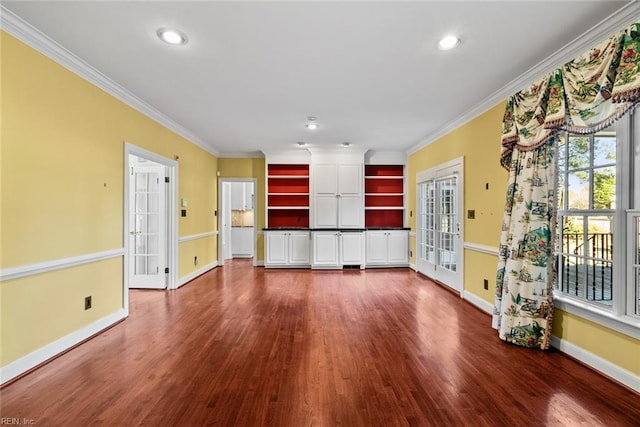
(369, 71)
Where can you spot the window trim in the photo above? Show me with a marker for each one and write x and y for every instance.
(617, 317)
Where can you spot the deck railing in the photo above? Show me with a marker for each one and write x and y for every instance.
(586, 266)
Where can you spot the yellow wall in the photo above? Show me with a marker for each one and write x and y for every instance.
(249, 168)
(62, 177)
(479, 142)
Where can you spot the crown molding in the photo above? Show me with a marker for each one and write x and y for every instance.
(624, 16)
(242, 155)
(28, 34)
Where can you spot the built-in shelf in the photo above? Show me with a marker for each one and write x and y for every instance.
(384, 195)
(287, 195)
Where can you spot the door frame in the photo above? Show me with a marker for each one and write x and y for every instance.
(432, 174)
(222, 206)
(171, 216)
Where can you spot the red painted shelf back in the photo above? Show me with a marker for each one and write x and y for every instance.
(280, 169)
(384, 218)
(383, 185)
(373, 201)
(384, 170)
(289, 200)
(289, 218)
(288, 185)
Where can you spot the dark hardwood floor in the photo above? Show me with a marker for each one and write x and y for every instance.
(247, 346)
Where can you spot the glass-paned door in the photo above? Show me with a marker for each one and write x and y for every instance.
(147, 223)
(426, 226)
(438, 229)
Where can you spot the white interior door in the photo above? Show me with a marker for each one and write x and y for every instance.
(439, 224)
(147, 225)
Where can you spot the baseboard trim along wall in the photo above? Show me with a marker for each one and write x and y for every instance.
(601, 365)
(58, 347)
(189, 277)
(478, 302)
(57, 264)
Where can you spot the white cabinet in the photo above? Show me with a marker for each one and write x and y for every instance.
(338, 196)
(286, 248)
(335, 249)
(242, 241)
(242, 196)
(387, 248)
(325, 249)
(352, 248)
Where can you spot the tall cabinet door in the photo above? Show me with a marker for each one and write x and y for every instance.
(325, 179)
(350, 179)
(350, 196)
(350, 212)
(325, 211)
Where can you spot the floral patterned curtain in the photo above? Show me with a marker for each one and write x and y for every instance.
(584, 96)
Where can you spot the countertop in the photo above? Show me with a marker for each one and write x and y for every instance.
(346, 230)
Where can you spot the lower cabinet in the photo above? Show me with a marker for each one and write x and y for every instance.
(286, 248)
(387, 248)
(336, 249)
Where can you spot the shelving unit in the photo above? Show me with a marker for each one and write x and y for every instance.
(287, 195)
(384, 195)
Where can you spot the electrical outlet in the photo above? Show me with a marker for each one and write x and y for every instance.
(87, 302)
(471, 214)
(195, 260)
(486, 284)
(410, 253)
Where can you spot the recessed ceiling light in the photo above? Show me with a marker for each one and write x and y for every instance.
(171, 36)
(346, 144)
(448, 42)
(301, 143)
(312, 125)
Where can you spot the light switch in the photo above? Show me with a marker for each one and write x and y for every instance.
(183, 203)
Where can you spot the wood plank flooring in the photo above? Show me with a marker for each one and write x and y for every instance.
(244, 346)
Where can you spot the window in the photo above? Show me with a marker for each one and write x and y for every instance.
(598, 240)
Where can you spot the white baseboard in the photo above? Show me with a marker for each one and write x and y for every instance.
(258, 263)
(413, 267)
(609, 369)
(33, 359)
(478, 302)
(189, 277)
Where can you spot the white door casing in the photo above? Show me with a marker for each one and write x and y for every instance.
(132, 154)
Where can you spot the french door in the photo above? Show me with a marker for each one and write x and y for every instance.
(147, 223)
(439, 237)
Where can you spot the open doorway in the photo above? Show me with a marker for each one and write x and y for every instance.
(150, 221)
(237, 218)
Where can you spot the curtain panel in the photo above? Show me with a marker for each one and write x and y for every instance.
(583, 96)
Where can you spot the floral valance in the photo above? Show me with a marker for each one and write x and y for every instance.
(585, 95)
